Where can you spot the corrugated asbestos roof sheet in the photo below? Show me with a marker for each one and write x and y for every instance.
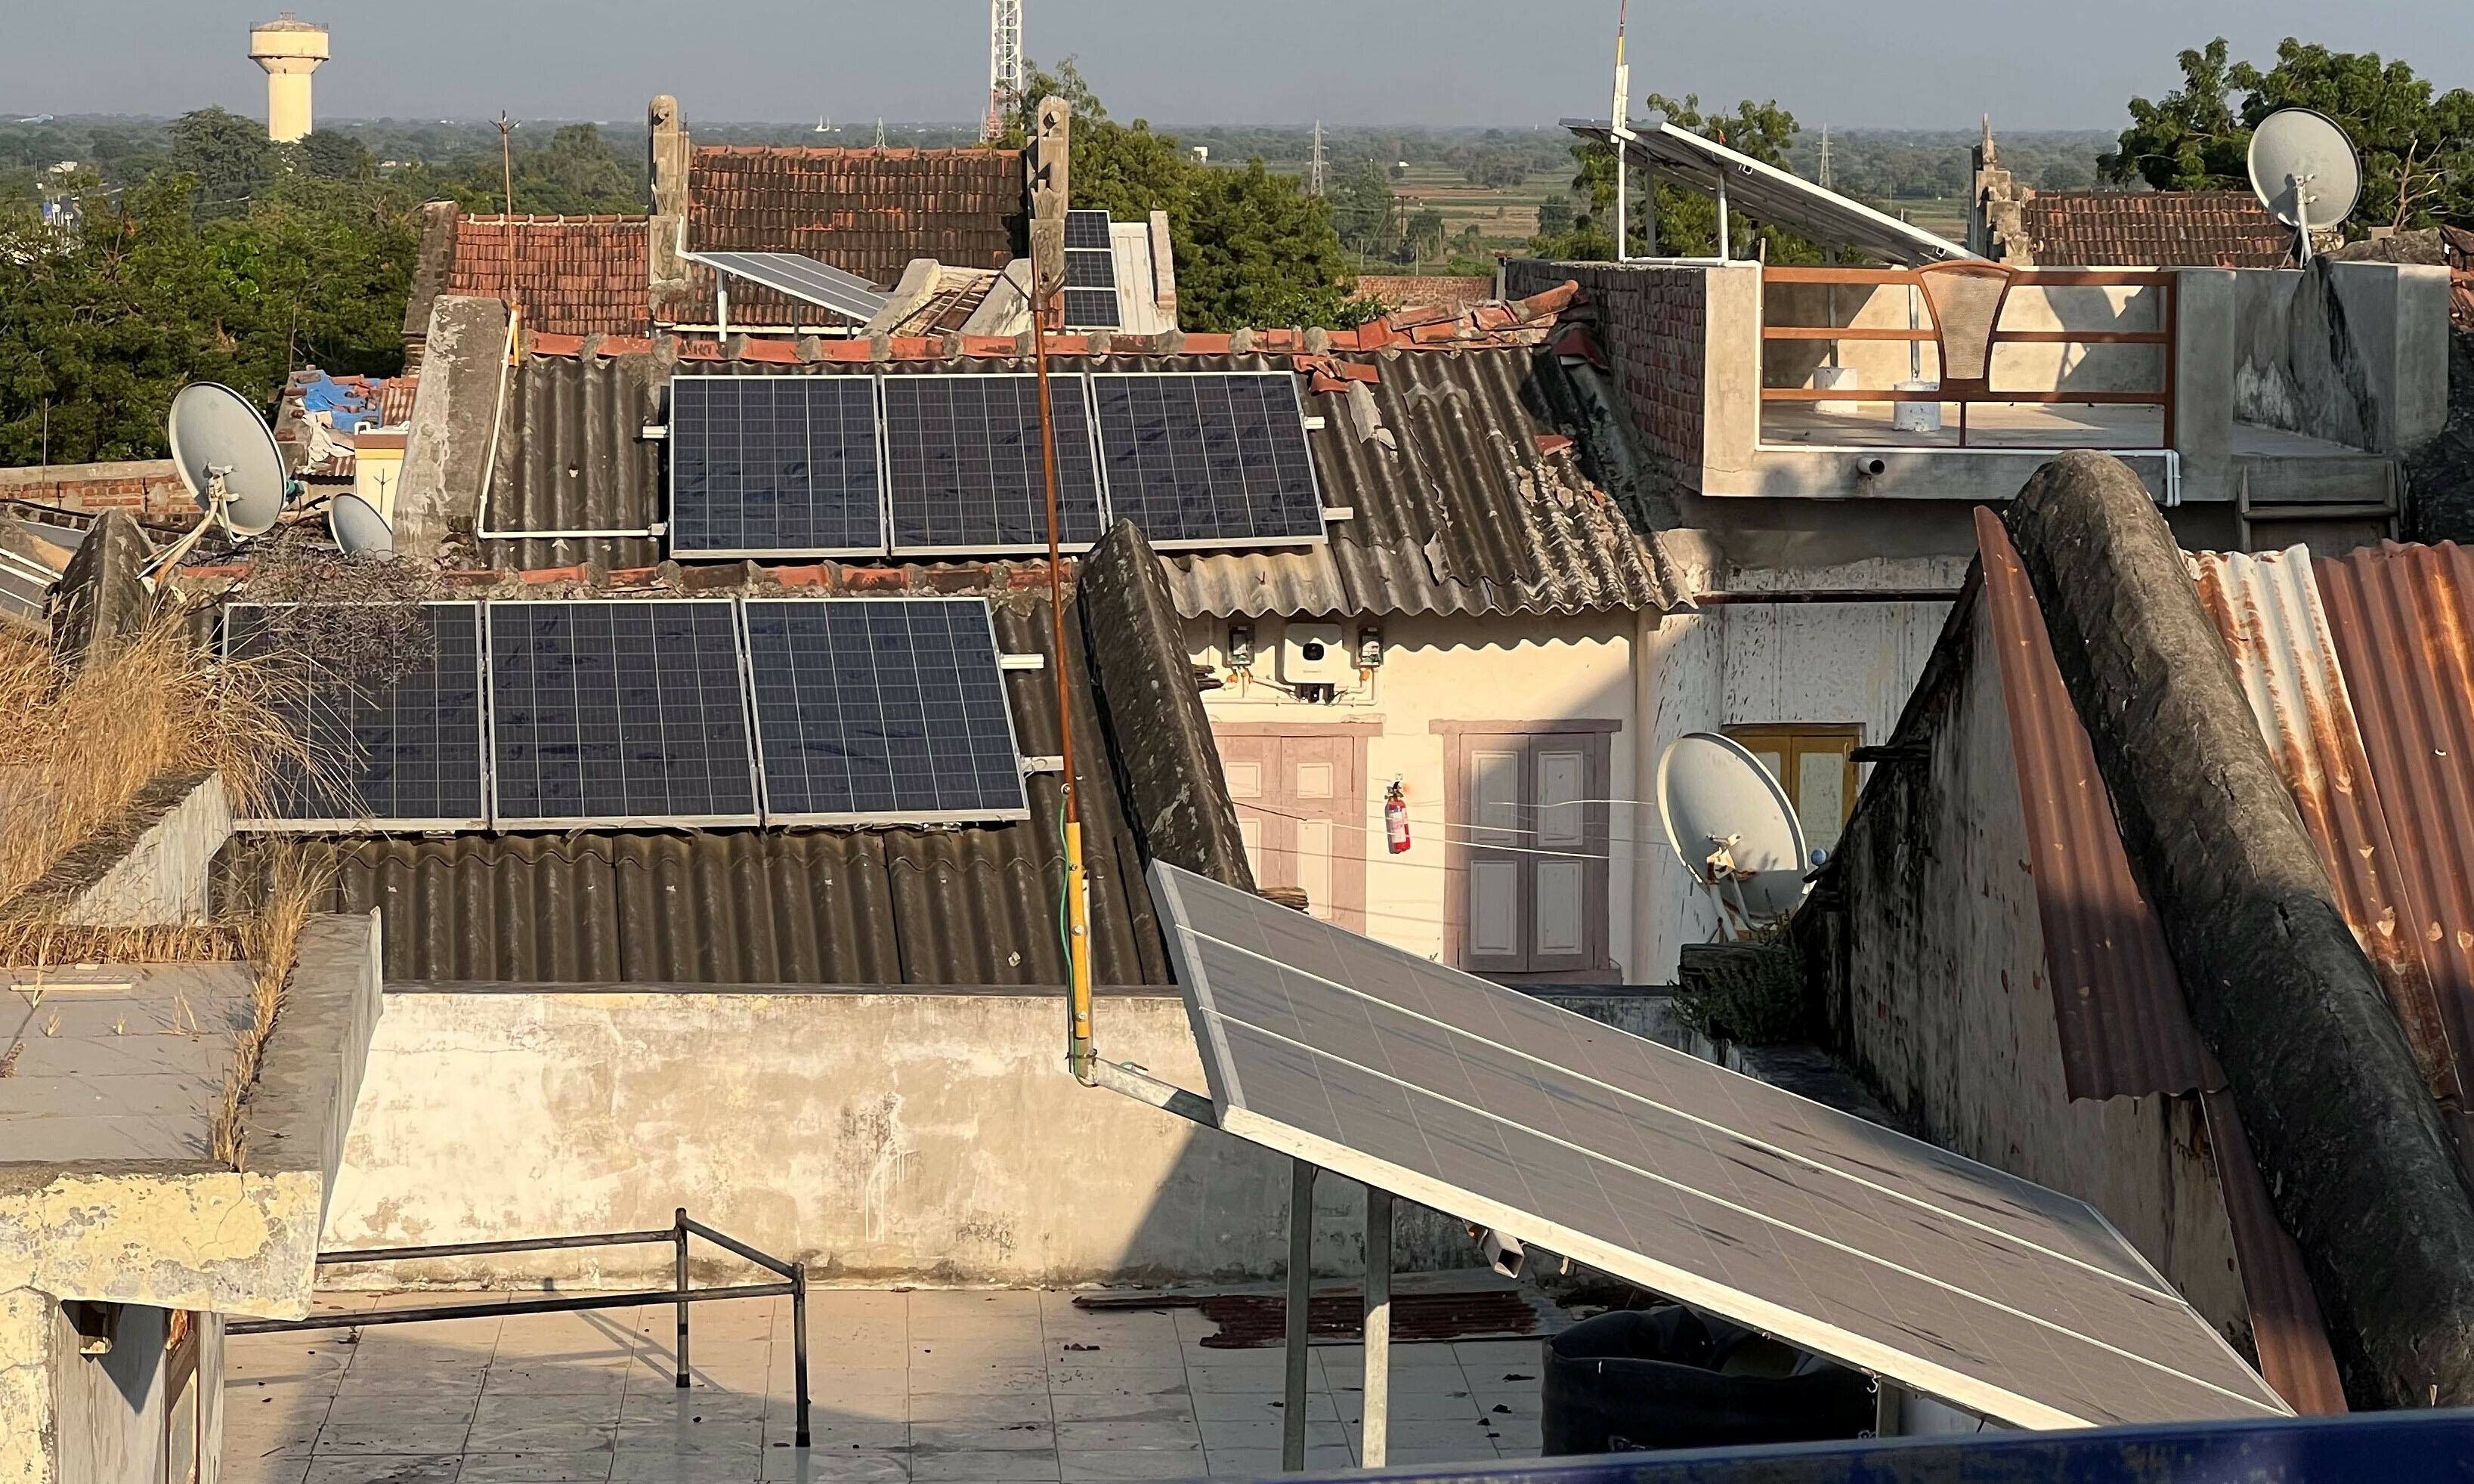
(1465, 497)
(2402, 619)
(2205, 229)
(966, 906)
(2268, 611)
(866, 211)
(2125, 1029)
(571, 275)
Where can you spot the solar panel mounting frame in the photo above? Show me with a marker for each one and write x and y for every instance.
(388, 823)
(1057, 395)
(1907, 1367)
(528, 823)
(883, 506)
(884, 819)
(1100, 452)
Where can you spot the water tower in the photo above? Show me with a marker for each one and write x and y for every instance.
(289, 49)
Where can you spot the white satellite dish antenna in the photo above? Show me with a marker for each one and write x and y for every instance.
(2305, 172)
(358, 529)
(1734, 829)
(229, 458)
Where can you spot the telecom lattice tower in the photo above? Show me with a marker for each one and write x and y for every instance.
(1005, 65)
(1315, 176)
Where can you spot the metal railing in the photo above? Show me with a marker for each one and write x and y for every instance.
(680, 1230)
(2162, 279)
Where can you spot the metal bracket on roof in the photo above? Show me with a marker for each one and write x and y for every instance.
(655, 431)
(1021, 662)
(1338, 513)
(1051, 763)
(1132, 1080)
(1313, 425)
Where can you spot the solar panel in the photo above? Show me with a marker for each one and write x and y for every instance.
(876, 710)
(1091, 309)
(763, 465)
(1086, 230)
(1211, 460)
(397, 746)
(803, 278)
(1831, 1233)
(611, 712)
(964, 470)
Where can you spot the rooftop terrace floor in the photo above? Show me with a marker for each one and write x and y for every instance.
(966, 1386)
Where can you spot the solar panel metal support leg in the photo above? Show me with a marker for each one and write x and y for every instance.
(1293, 1412)
(1379, 1328)
(1889, 1408)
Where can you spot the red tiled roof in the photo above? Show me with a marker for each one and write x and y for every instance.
(571, 275)
(2208, 229)
(866, 211)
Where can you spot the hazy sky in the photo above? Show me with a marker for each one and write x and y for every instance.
(2064, 64)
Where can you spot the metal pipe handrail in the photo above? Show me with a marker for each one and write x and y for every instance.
(682, 1226)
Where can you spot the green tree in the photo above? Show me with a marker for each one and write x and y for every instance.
(2416, 148)
(228, 157)
(1253, 248)
(334, 157)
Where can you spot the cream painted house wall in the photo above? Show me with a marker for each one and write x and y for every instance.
(1529, 667)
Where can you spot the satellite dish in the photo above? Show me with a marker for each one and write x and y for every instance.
(2304, 171)
(229, 459)
(358, 529)
(1733, 827)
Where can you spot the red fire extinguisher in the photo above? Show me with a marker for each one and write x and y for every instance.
(1395, 818)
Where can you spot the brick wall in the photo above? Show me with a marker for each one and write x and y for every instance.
(149, 489)
(1651, 322)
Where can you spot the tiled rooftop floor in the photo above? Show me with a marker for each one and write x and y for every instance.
(943, 1387)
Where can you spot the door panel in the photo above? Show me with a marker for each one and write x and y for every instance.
(1494, 910)
(1562, 916)
(1300, 811)
(1563, 782)
(1495, 797)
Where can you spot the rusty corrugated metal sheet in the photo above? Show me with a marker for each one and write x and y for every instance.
(2268, 611)
(964, 905)
(2402, 619)
(2125, 1031)
(2287, 1329)
(1466, 512)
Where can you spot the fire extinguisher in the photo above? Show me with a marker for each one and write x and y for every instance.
(1395, 818)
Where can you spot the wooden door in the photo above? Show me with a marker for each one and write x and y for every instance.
(1302, 810)
(1533, 851)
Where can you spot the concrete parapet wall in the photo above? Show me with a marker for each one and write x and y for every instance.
(163, 877)
(2353, 352)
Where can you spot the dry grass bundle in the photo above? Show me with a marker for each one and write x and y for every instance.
(81, 744)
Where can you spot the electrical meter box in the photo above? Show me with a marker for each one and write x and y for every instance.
(1316, 654)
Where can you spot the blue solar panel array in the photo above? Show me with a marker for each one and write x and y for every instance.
(963, 464)
(708, 711)
(613, 711)
(763, 465)
(401, 749)
(1209, 461)
(870, 710)
(946, 465)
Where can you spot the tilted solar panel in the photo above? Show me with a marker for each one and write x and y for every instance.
(1091, 309)
(1828, 1232)
(768, 465)
(610, 711)
(396, 742)
(877, 710)
(1086, 228)
(1210, 460)
(803, 278)
(963, 474)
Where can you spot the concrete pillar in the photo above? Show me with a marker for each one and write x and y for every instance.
(1730, 378)
(671, 152)
(290, 49)
(2204, 360)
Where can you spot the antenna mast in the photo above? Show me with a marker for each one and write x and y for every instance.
(1315, 181)
(1619, 132)
(1005, 65)
(1827, 183)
